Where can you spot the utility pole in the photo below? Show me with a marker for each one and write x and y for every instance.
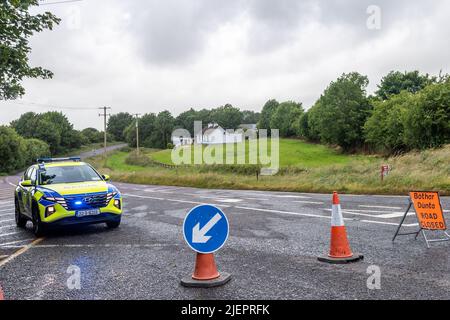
(137, 132)
(104, 115)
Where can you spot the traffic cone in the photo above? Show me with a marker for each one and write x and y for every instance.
(205, 273)
(340, 251)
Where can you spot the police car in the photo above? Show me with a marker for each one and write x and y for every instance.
(63, 192)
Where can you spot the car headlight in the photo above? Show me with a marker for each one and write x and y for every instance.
(117, 203)
(110, 195)
(60, 201)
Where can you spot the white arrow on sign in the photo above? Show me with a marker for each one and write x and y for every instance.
(198, 235)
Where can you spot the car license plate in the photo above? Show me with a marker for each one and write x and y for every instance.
(85, 213)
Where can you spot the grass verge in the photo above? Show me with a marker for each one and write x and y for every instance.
(426, 170)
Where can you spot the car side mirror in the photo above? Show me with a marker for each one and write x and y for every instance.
(105, 177)
(26, 183)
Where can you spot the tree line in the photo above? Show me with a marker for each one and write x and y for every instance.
(155, 130)
(408, 111)
(36, 135)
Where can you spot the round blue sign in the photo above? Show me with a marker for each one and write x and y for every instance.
(205, 228)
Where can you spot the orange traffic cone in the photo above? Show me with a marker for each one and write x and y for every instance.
(340, 251)
(205, 273)
(205, 267)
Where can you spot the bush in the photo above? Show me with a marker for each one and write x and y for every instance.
(427, 124)
(384, 129)
(137, 159)
(12, 150)
(170, 145)
(35, 149)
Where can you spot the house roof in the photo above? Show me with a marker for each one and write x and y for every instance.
(209, 130)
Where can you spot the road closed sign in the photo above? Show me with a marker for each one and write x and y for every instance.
(428, 210)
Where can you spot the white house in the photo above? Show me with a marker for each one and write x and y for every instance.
(181, 141)
(215, 134)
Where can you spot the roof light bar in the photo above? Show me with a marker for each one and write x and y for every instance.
(48, 160)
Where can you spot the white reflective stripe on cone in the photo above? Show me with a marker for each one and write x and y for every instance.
(336, 216)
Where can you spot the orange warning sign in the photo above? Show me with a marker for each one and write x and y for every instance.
(428, 210)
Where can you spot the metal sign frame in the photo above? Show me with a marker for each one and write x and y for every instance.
(421, 230)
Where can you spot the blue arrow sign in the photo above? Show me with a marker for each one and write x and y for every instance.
(205, 229)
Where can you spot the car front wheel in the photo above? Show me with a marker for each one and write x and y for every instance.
(113, 224)
(38, 227)
(21, 221)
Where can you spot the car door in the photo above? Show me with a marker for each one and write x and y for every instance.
(21, 193)
(27, 191)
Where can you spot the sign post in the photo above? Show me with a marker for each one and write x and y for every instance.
(205, 230)
(429, 213)
(384, 171)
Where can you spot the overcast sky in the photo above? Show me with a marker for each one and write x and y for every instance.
(151, 55)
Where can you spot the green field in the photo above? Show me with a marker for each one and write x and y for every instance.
(323, 170)
(292, 153)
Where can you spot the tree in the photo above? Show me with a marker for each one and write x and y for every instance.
(427, 123)
(11, 150)
(266, 114)
(16, 27)
(339, 115)
(164, 126)
(250, 117)
(395, 82)
(384, 129)
(285, 117)
(92, 135)
(227, 116)
(147, 131)
(117, 124)
(26, 124)
(34, 149)
(52, 127)
(302, 128)
(185, 120)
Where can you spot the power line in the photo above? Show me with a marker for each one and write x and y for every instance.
(57, 2)
(42, 105)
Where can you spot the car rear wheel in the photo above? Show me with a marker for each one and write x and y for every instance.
(113, 224)
(38, 227)
(21, 221)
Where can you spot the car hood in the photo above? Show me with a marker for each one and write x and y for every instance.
(78, 188)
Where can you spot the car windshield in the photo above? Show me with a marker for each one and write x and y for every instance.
(67, 174)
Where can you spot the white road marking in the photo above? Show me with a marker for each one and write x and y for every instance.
(19, 252)
(287, 212)
(382, 216)
(6, 214)
(9, 234)
(380, 207)
(8, 226)
(229, 200)
(7, 220)
(106, 245)
(172, 200)
(391, 223)
(2, 203)
(3, 210)
(14, 242)
(394, 215)
(292, 196)
(371, 211)
(309, 202)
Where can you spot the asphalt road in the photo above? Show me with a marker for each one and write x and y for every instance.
(272, 250)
